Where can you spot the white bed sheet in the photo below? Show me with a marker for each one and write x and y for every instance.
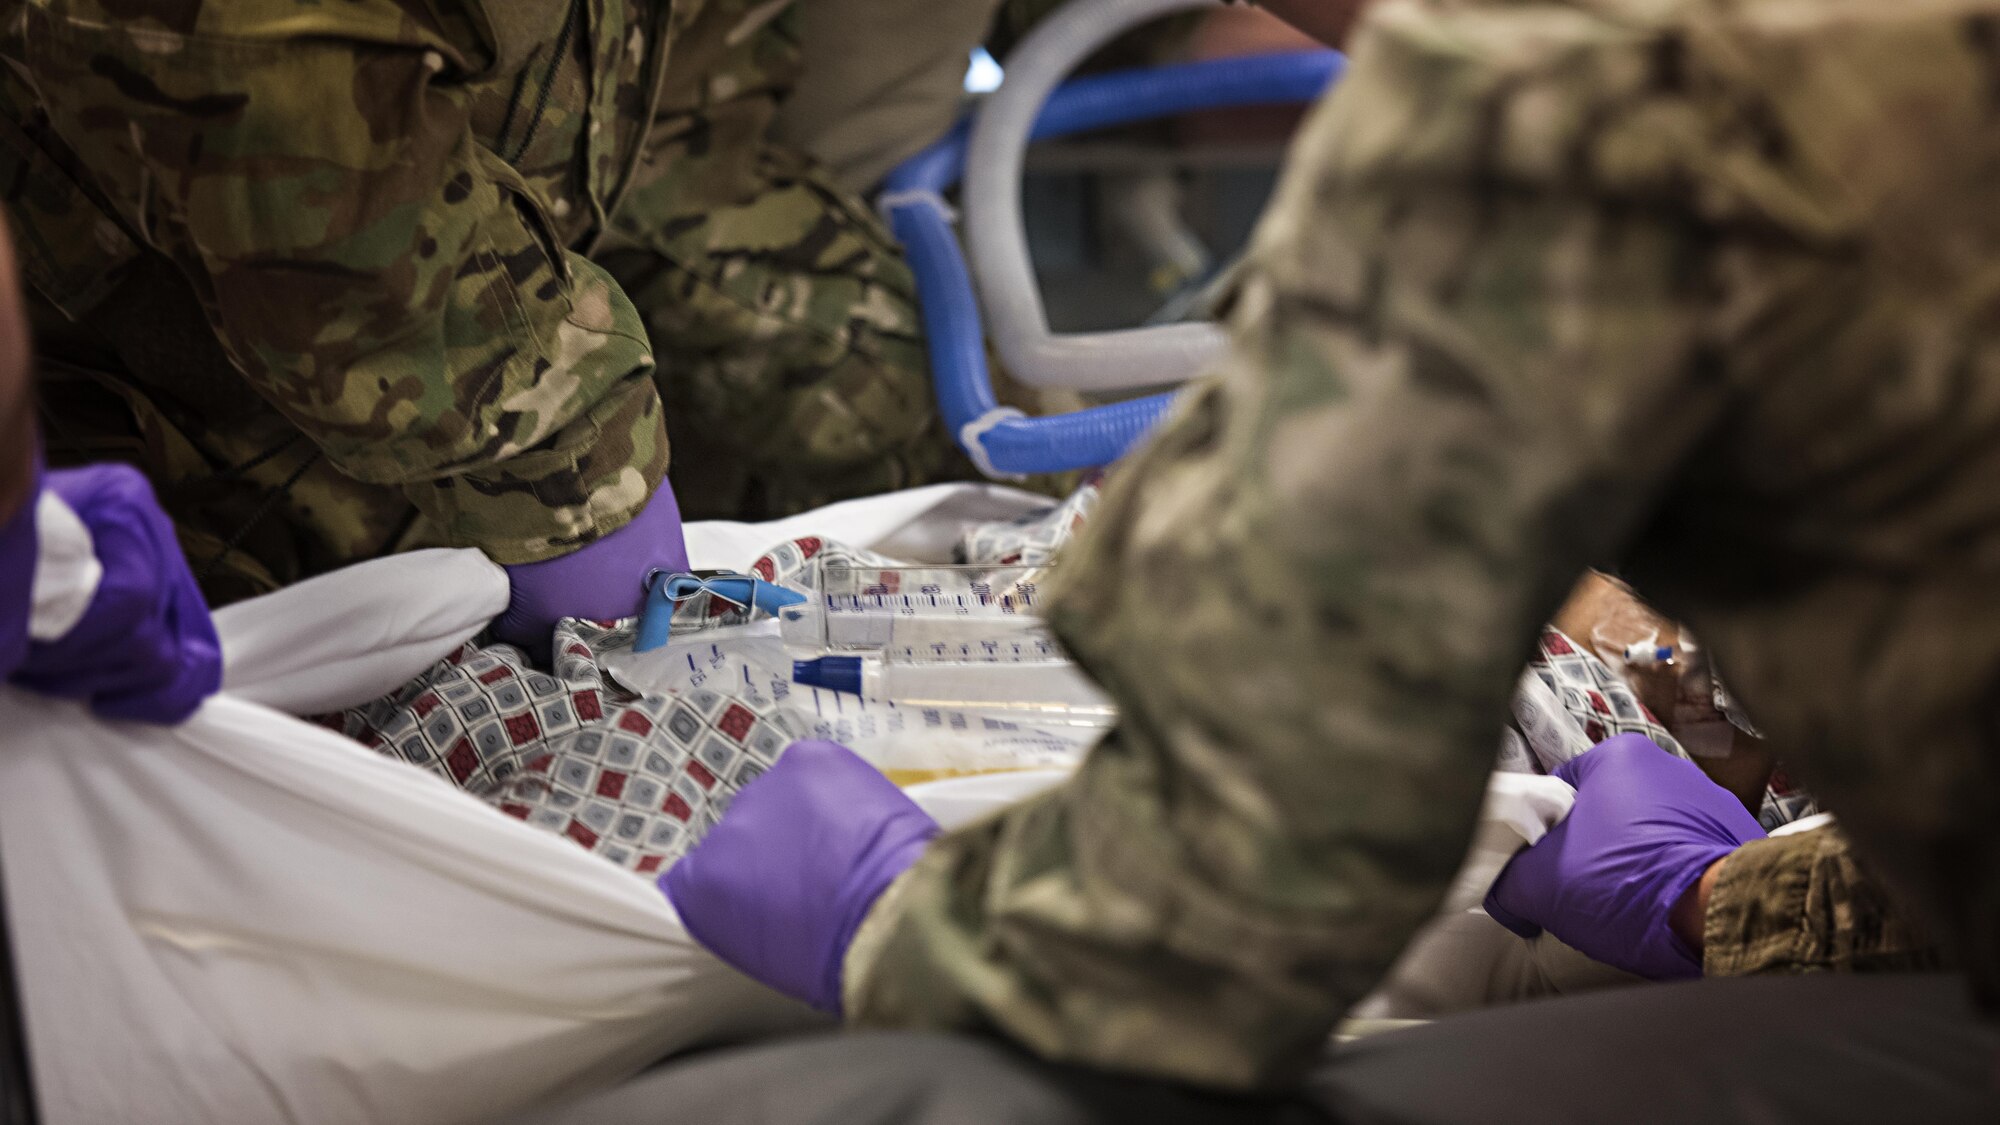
(251, 919)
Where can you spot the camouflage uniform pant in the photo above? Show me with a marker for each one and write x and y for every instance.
(791, 355)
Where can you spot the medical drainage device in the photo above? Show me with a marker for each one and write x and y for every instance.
(960, 637)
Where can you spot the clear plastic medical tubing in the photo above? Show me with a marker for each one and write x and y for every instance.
(1004, 442)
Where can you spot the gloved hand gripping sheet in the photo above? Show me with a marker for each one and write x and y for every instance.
(249, 918)
(252, 918)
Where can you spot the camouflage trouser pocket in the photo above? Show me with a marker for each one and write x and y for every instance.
(781, 312)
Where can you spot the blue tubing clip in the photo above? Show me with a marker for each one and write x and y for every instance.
(665, 590)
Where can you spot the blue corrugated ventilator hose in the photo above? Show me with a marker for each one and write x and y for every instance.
(1001, 441)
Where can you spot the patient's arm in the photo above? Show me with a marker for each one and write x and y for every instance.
(1605, 615)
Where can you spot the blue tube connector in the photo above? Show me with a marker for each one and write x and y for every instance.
(834, 673)
(665, 590)
(1004, 442)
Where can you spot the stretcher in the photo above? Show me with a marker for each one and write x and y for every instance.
(1812, 1050)
(249, 918)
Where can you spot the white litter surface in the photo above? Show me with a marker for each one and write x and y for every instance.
(250, 919)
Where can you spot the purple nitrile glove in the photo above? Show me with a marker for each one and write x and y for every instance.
(781, 883)
(1644, 828)
(602, 581)
(145, 648)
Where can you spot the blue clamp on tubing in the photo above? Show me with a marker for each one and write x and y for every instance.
(665, 590)
(1001, 441)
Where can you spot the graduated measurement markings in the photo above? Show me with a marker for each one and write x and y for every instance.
(1026, 649)
(930, 626)
(933, 601)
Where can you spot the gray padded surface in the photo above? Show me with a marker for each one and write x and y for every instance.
(1816, 1050)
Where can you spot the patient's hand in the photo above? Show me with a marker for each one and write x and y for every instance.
(1607, 617)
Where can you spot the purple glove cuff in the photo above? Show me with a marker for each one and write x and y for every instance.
(600, 581)
(1659, 948)
(898, 846)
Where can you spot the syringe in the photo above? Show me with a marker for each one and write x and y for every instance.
(1055, 688)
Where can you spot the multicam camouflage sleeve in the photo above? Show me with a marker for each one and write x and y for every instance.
(1473, 343)
(387, 282)
(1806, 903)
